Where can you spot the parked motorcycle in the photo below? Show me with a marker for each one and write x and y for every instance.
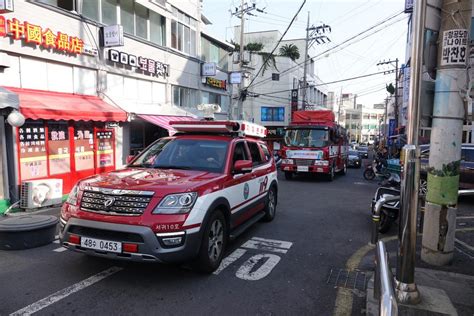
(390, 210)
(376, 169)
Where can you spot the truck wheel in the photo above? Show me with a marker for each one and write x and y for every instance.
(213, 244)
(330, 176)
(288, 175)
(344, 169)
(270, 205)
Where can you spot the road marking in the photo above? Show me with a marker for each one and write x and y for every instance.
(245, 271)
(234, 256)
(56, 242)
(464, 217)
(361, 183)
(268, 245)
(462, 243)
(60, 249)
(59, 295)
(464, 252)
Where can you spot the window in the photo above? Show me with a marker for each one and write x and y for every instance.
(355, 116)
(348, 116)
(275, 77)
(63, 4)
(366, 116)
(183, 38)
(373, 116)
(272, 114)
(126, 16)
(266, 152)
(184, 97)
(240, 152)
(109, 12)
(141, 19)
(365, 126)
(157, 28)
(255, 153)
(90, 9)
(213, 53)
(467, 154)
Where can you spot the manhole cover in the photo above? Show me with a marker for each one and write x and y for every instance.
(350, 279)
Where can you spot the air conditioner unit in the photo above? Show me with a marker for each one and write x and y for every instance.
(40, 193)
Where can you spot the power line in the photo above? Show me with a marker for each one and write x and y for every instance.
(276, 46)
(328, 50)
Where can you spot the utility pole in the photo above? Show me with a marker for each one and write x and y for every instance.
(240, 13)
(395, 64)
(406, 289)
(316, 36)
(446, 138)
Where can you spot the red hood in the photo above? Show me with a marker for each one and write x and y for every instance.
(161, 181)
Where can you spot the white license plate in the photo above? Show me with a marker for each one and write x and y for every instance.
(99, 244)
(302, 168)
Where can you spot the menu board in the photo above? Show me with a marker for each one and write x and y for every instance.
(105, 148)
(84, 146)
(58, 148)
(32, 151)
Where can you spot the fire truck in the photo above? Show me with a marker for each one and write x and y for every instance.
(314, 143)
(179, 200)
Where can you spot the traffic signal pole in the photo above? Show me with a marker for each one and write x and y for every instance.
(446, 136)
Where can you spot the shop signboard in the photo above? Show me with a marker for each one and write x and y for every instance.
(58, 148)
(216, 83)
(409, 6)
(148, 65)
(112, 35)
(455, 47)
(294, 101)
(32, 34)
(209, 69)
(406, 93)
(391, 131)
(235, 77)
(105, 148)
(84, 147)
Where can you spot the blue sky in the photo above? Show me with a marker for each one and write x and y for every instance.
(346, 18)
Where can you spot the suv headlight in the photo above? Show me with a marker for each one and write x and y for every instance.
(72, 197)
(321, 163)
(176, 203)
(287, 161)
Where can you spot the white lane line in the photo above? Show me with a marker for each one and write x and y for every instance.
(60, 249)
(56, 242)
(267, 245)
(462, 243)
(229, 260)
(464, 217)
(59, 295)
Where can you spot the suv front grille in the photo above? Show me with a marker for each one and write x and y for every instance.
(129, 204)
(304, 162)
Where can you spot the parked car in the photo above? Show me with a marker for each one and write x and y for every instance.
(354, 159)
(363, 151)
(466, 172)
(181, 199)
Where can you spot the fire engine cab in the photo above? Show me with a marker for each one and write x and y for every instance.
(182, 199)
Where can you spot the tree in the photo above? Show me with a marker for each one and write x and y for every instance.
(290, 50)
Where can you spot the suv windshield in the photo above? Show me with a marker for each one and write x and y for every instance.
(306, 137)
(192, 154)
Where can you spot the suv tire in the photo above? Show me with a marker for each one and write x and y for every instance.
(213, 244)
(270, 205)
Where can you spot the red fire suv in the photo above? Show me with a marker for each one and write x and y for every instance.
(180, 200)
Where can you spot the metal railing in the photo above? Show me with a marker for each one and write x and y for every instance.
(383, 284)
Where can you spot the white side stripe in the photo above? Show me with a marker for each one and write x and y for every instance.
(60, 249)
(227, 261)
(59, 295)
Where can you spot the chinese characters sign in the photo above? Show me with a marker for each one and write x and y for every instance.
(151, 66)
(35, 34)
(32, 151)
(84, 146)
(215, 83)
(105, 149)
(454, 47)
(58, 149)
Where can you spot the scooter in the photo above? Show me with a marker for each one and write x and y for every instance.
(376, 169)
(390, 210)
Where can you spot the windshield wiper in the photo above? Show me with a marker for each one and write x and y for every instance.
(142, 165)
(173, 167)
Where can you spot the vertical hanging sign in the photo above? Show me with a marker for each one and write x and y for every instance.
(294, 101)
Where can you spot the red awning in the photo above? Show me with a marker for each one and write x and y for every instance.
(164, 120)
(46, 105)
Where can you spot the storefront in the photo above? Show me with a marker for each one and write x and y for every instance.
(65, 136)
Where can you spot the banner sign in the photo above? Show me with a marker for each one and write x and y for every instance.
(215, 83)
(151, 66)
(454, 49)
(294, 101)
(209, 69)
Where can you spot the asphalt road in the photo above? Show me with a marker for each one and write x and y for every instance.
(319, 226)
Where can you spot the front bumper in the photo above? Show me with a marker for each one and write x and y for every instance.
(150, 246)
(311, 169)
(354, 163)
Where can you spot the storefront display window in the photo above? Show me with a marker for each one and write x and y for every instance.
(58, 148)
(84, 146)
(32, 151)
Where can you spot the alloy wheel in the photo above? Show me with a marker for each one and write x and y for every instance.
(216, 240)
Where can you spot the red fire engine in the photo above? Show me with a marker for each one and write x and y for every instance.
(314, 143)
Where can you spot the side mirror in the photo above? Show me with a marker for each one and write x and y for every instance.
(129, 159)
(243, 166)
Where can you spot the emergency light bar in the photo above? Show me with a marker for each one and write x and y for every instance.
(240, 127)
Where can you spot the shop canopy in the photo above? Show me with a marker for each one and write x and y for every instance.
(164, 120)
(46, 105)
(8, 99)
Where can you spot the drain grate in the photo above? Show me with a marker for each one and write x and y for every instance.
(350, 279)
